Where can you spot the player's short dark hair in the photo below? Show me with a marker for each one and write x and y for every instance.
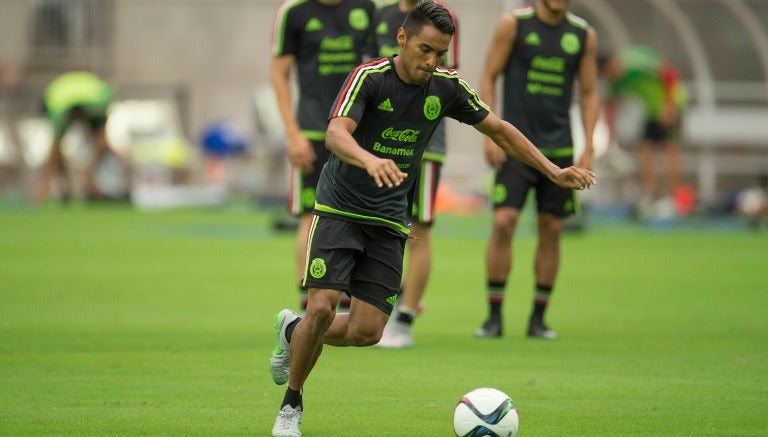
(428, 12)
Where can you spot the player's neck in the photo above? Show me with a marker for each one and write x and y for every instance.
(401, 72)
(549, 16)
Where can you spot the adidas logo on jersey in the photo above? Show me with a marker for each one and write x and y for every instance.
(533, 39)
(313, 25)
(386, 105)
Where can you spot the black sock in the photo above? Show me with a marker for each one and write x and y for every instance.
(289, 329)
(540, 301)
(406, 315)
(292, 398)
(495, 297)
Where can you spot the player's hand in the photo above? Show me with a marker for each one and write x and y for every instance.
(575, 178)
(494, 155)
(301, 154)
(385, 172)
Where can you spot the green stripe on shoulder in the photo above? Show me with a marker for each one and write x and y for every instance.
(385, 67)
(524, 13)
(576, 21)
(277, 48)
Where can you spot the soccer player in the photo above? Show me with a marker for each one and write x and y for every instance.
(362, 211)
(76, 96)
(640, 72)
(541, 50)
(398, 332)
(323, 40)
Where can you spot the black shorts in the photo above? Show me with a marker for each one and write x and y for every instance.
(94, 117)
(658, 133)
(303, 188)
(364, 260)
(515, 179)
(425, 191)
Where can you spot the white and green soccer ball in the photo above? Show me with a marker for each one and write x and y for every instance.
(485, 412)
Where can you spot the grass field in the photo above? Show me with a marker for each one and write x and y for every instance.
(118, 322)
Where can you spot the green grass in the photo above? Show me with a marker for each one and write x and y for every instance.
(118, 322)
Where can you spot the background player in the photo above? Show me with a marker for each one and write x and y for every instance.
(323, 40)
(72, 97)
(540, 50)
(398, 333)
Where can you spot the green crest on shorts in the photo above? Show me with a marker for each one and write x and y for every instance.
(317, 268)
(499, 193)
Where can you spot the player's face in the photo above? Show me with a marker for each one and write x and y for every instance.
(555, 6)
(421, 54)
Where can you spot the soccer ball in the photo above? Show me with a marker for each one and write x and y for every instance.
(485, 412)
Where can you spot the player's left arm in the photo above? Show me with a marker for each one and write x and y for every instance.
(589, 96)
(518, 146)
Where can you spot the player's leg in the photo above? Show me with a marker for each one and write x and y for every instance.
(309, 333)
(647, 169)
(419, 266)
(374, 288)
(53, 171)
(508, 197)
(398, 332)
(300, 339)
(673, 165)
(301, 202)
(100, 151)
(498, 264)
(546, 266)
(361, 326)
(554, 205)
(304, 338)
(300, 247)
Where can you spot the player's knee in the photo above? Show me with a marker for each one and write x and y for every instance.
(365, 337)
(505, 220)
(322, 313)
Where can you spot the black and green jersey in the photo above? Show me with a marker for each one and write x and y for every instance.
(539, 78)
(395, 121)
(327, 42)
(386, 20)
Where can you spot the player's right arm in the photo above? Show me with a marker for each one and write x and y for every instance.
(341, 143)
(496, 58)
(299, 149)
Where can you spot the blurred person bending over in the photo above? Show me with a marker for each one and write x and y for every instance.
(542, 50)
(398, 332)
(364, 196)
(323, 40)
(639, 72)
(75, 97)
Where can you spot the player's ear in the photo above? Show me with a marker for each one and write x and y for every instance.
(401, 38)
